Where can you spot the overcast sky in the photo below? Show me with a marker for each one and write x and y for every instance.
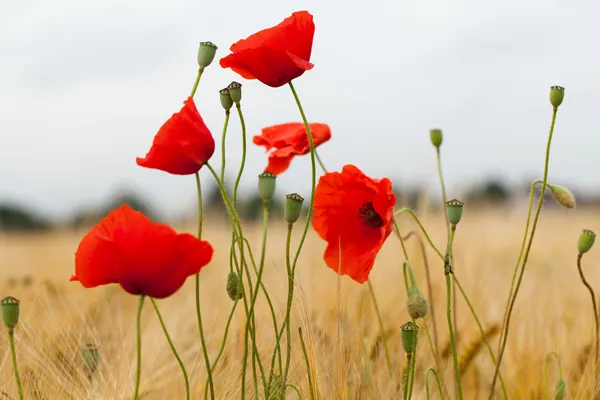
(85, 85)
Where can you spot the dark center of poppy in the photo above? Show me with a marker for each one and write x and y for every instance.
(369, 216)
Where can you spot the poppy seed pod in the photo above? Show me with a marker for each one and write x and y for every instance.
(91, 357)
(417, 303)
(235, 91)
(206, 54)
(586, 241)
(436, 137)
(560, 390)
(10, 312)
(292, 207)
(409, 333)
(557, 94)
(226, 100)
(563, 196)
(234, 287)
(454, 210)
(266, 186)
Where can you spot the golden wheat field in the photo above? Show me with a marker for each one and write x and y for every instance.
(553, 313)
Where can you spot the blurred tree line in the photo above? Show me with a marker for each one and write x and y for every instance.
(18, 218)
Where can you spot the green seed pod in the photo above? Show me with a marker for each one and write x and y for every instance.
(436, 137)
(266, 186)
(10, 312)
(226, 100)
(454, 210)
(563, 196)
(409, 333)
(234, 287)
(586, 241)
(206, 54)
(91, 357)
(235, 91)
(292, 207)
(417, 303)
(557, 94)
(560, 390)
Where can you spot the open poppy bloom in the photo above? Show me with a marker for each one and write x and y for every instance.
(289, 140)
(354, 214)
(144, 257)
(275, 55)
(182, 145)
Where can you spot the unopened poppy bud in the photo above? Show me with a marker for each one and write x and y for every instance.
(206, 54)
(563, 196)
(226, 100)
(235, 91)
(234, 286)
(91, 357)
(557, 94)
(454, 210)
(417, 303)
(266, 186)
(409, 332)
(436, 137)
(586, 241)
(10, 312)
(560, 390)
(292, 207)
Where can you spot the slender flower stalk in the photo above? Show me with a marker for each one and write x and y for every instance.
(320, 161)
(437, 381)
(197, 81)
(13, 353)
(198, 309)
(596, 326)
(308, 369)
(526, 255)
(138, 347)
(381, 327)
(223, 140)
(183, 370)
(448, 271)
(244, 150)
(290, 298)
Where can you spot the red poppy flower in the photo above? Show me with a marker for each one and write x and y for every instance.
(354, 214)
(182, 145)
(275, 55)
(144, 257)
(289, 140)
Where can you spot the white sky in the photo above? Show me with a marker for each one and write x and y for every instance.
(85, 85)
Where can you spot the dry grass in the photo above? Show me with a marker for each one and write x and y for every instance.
(59, 317)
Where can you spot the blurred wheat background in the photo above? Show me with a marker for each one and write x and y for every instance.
(58, 318)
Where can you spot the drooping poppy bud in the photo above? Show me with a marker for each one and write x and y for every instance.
(234, 288)
(560, 390)
(206, 54)
(586, 241)
(417, 303)
(292, 207)
(454, 210)
(563, 196)
(557, 94)
(10, 312)
(266, 186)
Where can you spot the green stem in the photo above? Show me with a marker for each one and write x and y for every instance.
(597, 326)
(223, 137)
(162, 324)
(406, 375)
(437, 381)
(412, 213)
(195, 87)
(138, 372)
(516, 269)
(290, 299)
(320, 162)
(244, 148)
(448, 272)
(381, 327)
(13, 352)
(308, 369)
(560, 374)
(198, 309)
(526, 256)
(412, 368)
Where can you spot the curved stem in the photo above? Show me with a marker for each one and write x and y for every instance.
(597, 330)
(381, 327)
(13, 353)
(138, 372)
(243, 163)
(516, 269)
(308, 369)
(412, 213)
(320, 162)
(526, 256)
(290, 299)
(183, 370)
(198, 309)
(195, 87)
(223, 137)
(560, 374)
(437, 381)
